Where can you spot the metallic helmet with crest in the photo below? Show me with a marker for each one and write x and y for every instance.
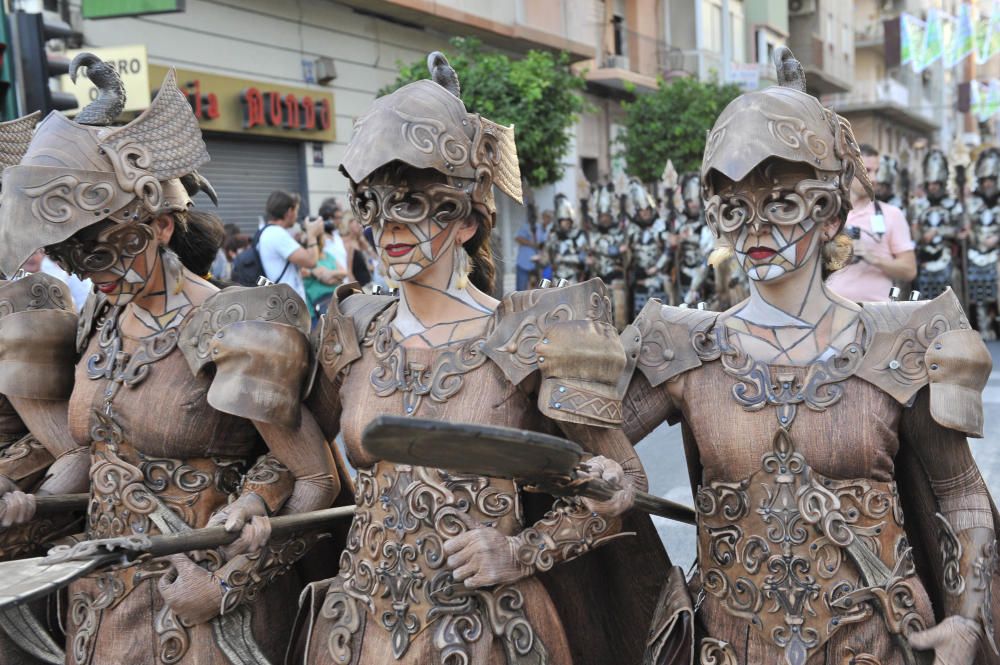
(603, 200)
(72, 174)
(691, 187)
(425, 125)
(988, 163)
(637, 198)
(935, 167)
(887, 171)
(785, 123)
(564, 209)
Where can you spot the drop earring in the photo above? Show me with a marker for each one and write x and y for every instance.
(461, 267)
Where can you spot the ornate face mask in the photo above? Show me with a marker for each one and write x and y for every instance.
(773, 217)
(413, 215)
(117, 258)
(777, 159)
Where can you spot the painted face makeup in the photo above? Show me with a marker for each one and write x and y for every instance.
(773, 217)
(118, 258)
(414, 217)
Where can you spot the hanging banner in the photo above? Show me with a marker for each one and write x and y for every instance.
(907, 43)
(964, 34)
(933, 46)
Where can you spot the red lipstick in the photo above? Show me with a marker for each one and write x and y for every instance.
(398, 249)
(760, 253)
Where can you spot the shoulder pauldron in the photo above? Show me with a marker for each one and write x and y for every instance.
(669, 336)
(257, 339)
(344, 326)
(566, 334)
(929, 343)
(37, 338)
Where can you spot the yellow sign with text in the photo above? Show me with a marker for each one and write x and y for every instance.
(255, 108)
(132, 66)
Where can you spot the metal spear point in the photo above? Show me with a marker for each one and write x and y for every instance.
(540, 461)
(26, 579)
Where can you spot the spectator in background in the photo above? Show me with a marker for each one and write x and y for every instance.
(361, 258)
(330, 272)
(280, 255)
(222, 266)
(331, 214)
(530, 240)
(883, 247)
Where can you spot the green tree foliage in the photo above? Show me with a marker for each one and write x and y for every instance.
(538, 94)
(671, 123)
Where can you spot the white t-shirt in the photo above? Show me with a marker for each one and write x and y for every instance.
(334, 246)
(275, 246)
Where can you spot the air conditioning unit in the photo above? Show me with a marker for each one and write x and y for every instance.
(617, 62)
(801, 7)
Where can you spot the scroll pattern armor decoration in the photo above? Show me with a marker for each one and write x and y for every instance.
(394, 569)
(785, 548)
(773, 550)
(440, 381)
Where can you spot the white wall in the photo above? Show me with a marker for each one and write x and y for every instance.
(267, 40)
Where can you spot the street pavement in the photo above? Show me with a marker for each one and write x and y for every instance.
(662, 453)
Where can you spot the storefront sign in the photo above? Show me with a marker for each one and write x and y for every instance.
(130, 61)
(226, 104)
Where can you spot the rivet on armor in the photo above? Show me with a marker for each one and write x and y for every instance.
(545, 340)
(668, 354)
(338, 349)
(937, 347)
(409, 409)
(562, 389)
(894, 293)
(541, 359)
(934, 366)
(893, 364)
(557, 405)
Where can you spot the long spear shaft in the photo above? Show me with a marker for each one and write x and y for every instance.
(26, 579)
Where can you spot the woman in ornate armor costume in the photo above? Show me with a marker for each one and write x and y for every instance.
(178, 389)
(813, 425)
(37, 454)
(442, 567)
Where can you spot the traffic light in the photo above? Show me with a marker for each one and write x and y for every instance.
(39, 66)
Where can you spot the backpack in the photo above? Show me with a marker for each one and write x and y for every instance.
(247, 266)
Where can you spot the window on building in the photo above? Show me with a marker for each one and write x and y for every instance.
(618, 29)
(712, 26)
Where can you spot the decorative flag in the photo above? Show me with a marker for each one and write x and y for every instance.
(964, 36)
(994, 30)
(933, 47)
(911, 39)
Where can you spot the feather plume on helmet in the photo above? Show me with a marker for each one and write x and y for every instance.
(425, 125)
(783, 123)
(75, 173)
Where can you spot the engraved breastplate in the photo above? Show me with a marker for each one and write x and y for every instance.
(785, 549)
(130, 492)
(394, 562)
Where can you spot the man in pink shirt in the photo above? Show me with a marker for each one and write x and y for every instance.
(883, 247)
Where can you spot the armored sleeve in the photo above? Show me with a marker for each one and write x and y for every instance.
(927, 356)
(929, 344)
(37, 338)
(566, 336)
(336, 345)
(256, 339)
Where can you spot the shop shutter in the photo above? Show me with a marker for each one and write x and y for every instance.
(244, 173)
